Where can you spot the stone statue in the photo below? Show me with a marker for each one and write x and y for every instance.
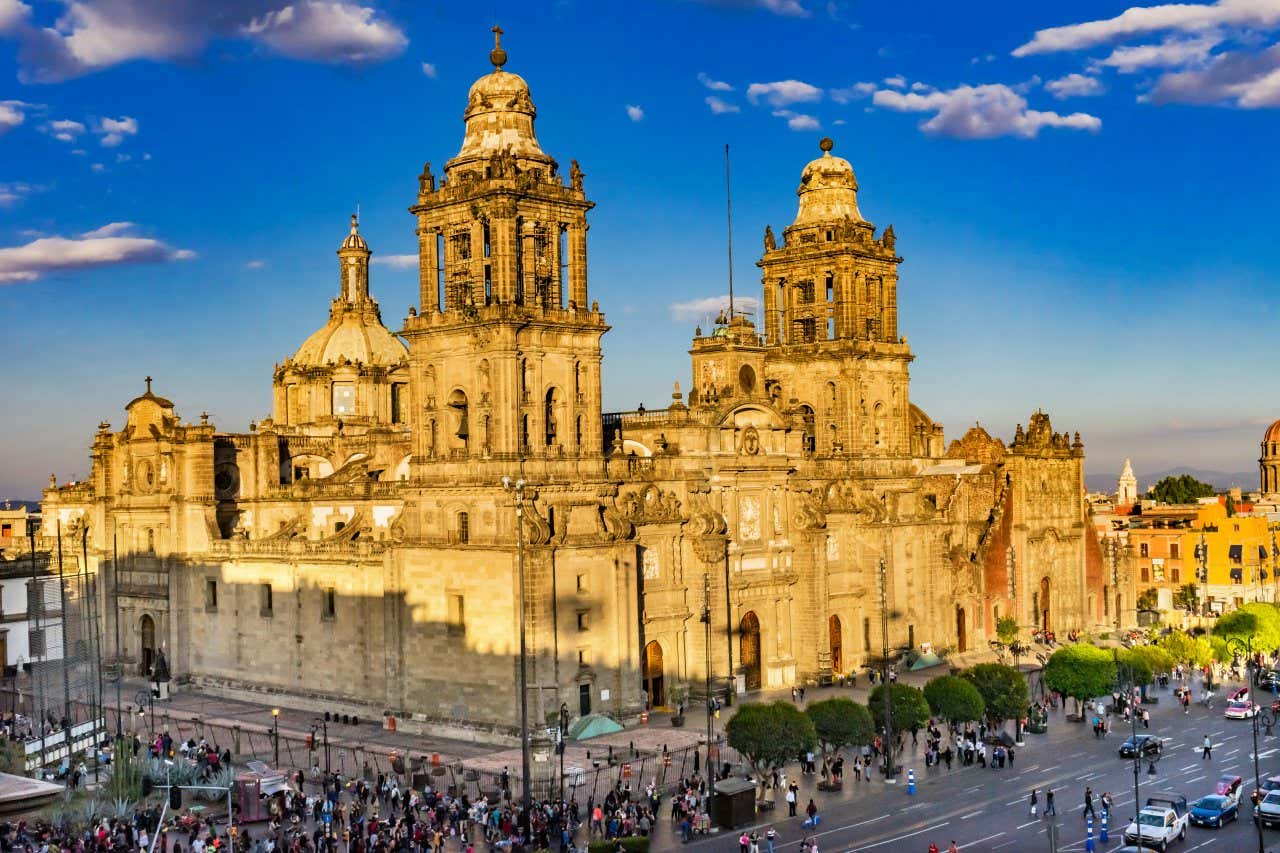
(426, 181)
(888, 239)
(575, 175)
(769, 242)
(508, 161)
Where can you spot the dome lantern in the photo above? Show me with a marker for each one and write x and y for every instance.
(828, 190)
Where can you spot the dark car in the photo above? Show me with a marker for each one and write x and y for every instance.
(1141, 744)
(1269, 678)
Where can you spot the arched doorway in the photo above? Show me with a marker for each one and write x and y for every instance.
(749, 649)
(653, 681)
(835, 636)
(147, 635)
(962, 636)
(1044, 604)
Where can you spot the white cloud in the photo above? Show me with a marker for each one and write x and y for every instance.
(111, 229)
(98, 167)
(65, 130)
(720, 107)
(710, 306)
(786, 8)
(1074, 86)
(1245, 80)
(429, 69)
(921, 87)
(981, 112)
(635, 113)
(328, 31)
(713, 85)
(798, 121)
(852, 93)
(11, 194)
(106, 246)
(1170, 53)
(113, 131)
(92, 35)
(12, 14)
(12, 114)
(897, 81)
(399, 262)
(1144, 20)
(255, 264)
(783, 93)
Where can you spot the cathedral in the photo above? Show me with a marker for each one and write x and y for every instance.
(420, 495)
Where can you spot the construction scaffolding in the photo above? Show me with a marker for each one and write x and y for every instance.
(54, 689)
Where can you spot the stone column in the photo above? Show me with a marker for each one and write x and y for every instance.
(845, 306)
(889, 309)
(578, 264)
(502, 250)
(528, 263)
(477, 263)
(428, 270)
(770, 311)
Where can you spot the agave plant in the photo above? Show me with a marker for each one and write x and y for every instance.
(120, 809)
(222, 779)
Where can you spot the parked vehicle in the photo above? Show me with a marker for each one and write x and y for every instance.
(1141, 744)
(1162, 821)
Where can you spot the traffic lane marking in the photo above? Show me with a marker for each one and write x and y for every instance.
(900, 837)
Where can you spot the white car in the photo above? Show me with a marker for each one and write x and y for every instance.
(1241, 709)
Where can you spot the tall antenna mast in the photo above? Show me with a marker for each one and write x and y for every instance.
(728, 213)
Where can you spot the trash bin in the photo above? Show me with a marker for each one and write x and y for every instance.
(734, 803)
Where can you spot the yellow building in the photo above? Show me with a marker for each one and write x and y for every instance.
(1240, 556)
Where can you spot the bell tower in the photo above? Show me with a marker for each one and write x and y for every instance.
(505, 347)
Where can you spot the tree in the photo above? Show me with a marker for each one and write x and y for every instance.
(1081, 672)
(1257, 622)
(839, 723)
(1134, 666)
(1148, 599)
(1157, 659)
(1183, 489)
(1187, 596)
(770, 735)
(1003, 690)
(907, 705)
(1007, 630)
(1184, 648)
(954, 699)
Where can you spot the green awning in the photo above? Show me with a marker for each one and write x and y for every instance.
(592, 725)
(925, 661)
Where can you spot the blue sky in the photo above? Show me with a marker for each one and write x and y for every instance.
(1085, 194)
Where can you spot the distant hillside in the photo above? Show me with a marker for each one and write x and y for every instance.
(1220, 480)
(29, 505)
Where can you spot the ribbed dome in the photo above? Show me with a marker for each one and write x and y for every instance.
(354, 336)
(1273, 433)
(828, 190)
(354, 240)
(499, 118)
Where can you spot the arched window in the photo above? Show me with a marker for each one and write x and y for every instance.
(461, 424)
(577, 438)
(549, 407)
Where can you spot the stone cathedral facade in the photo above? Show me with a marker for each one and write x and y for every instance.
(358, 548)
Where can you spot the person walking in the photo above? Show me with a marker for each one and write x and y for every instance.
(1146, 718)
(1088, 804)
(770, 838)
(1048, 803)
(1208, 749)
(792, 790)
(1033, 802)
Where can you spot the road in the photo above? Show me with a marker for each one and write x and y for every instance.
(987, 810)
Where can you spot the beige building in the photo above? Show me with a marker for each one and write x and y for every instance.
(358, 549)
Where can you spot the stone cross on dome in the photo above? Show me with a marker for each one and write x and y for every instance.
(497, 56)
(148, 381)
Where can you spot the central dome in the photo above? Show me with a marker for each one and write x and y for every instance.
(1273, 432)
(353, 336)
(828, 190)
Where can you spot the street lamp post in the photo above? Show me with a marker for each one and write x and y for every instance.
(275, 736)
(890, 770)
(1244, 645)
(1137, 752)
(706, 622)
(564, 737)
(517, 487)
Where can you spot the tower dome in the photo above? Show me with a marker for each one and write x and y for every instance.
(1273, 433)
(828, 190)
(499, 118)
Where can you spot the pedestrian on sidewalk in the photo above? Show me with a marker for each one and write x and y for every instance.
(1208, 749)
(1033, 802)
(812, 811)
(1048, 803)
